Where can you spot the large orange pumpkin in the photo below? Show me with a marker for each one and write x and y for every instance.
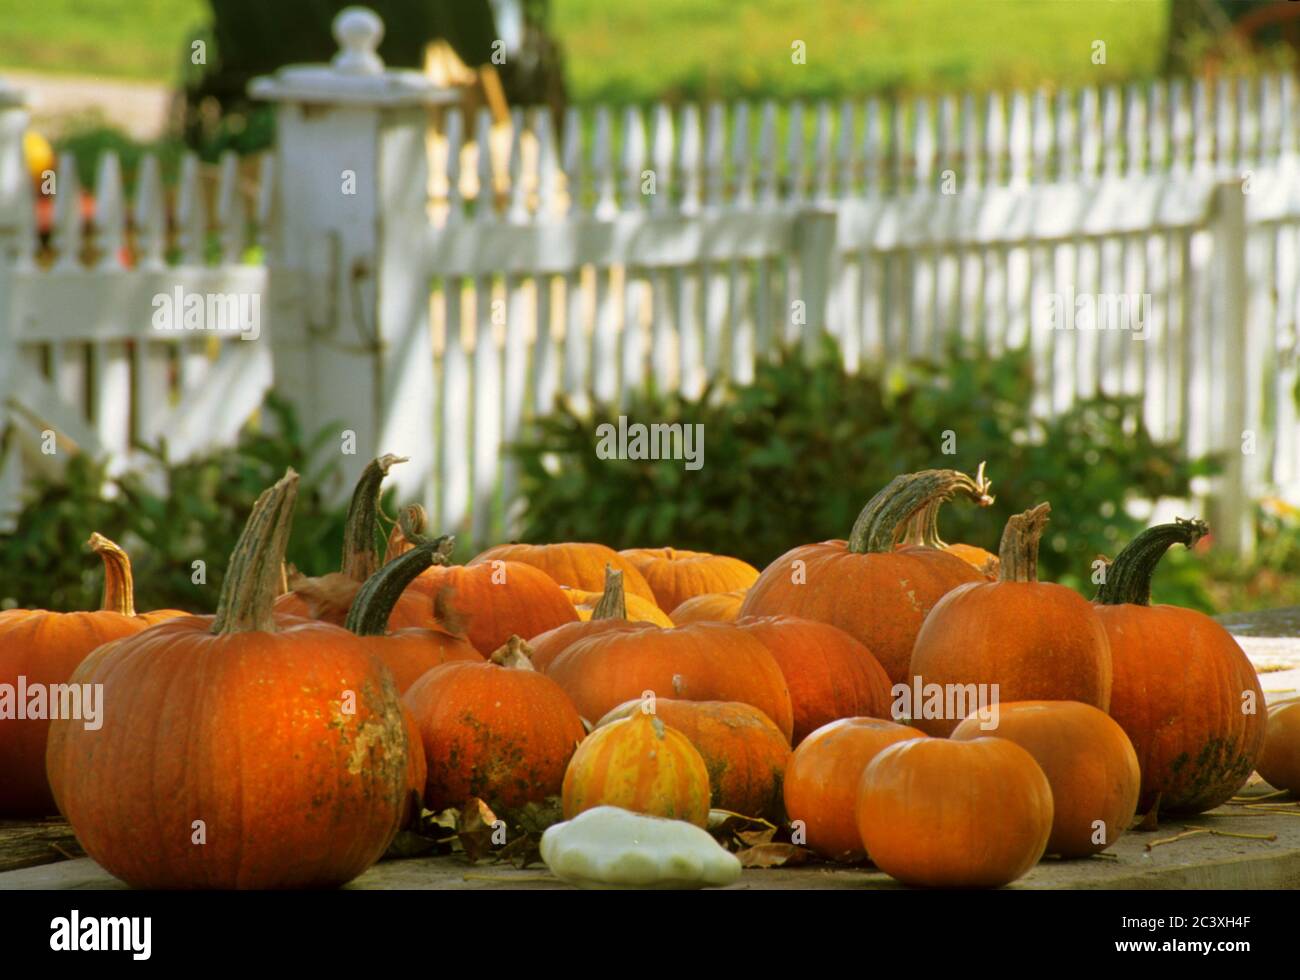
(642, 765)
(409, 652)
(241, 750)
(822, 777)
(329, 597)
(1016, 639)
(40, 649)
(579, 565)
(676, 575)
(830, 674)
(712, 607)
(1279, 762)
(947, 814)
(703, 662)
(744, 752)
(495, 600)
(1088, 760)
(1183, 690)
(877, 594)
(500, 731)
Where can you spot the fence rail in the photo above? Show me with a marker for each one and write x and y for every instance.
(432, 281)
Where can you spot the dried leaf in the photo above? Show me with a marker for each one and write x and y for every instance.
(476, 828)
(753, 838)
(774, 856)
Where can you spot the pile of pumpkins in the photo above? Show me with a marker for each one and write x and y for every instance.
(284, 741)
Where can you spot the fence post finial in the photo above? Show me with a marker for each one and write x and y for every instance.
(358, 31)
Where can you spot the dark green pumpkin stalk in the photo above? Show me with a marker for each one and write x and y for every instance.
(1128, 577)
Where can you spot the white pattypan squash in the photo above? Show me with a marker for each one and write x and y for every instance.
(609, 847)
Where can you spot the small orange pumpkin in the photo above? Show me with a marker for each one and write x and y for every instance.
(578, 565)
(499, 731)
(616, 602)
(712, 607)
(676, 575)
(822, 776)
(945, 814)
(1279, 763)
(642, 765)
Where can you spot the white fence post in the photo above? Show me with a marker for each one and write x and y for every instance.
(1233, 511)
(814, 244)
(352, 178)
(14, 198)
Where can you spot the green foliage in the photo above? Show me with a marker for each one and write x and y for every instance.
(792, 457)
(167, 518)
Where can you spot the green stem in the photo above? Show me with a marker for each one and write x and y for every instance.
(249, 591)
(1018, 553)
(374, 603)
(360, 554)
(119, 588)
(886, 515)
(613, 601)
(1128, 577)
(922, 529)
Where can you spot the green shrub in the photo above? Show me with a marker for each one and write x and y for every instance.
(792, 457)
(193, 511)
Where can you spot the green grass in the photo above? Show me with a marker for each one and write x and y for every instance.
(692, 48)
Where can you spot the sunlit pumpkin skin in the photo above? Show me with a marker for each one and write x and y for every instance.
(822, 777)
(744, 752)
(830, 674)
(1036, 641)
(942, 814)
(875, 593)
(676, 575)
(1089, 763)
(639, 610)
(286, 739)
(499, 731)
(45, 648)
(639, 764)
(712, 607)
(329, 597)
(578, 565)
(409, 653)
(703, 662)
(1279, 762)
(1184, 692)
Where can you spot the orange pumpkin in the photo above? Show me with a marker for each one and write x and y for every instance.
(579, 565)
(1017, 639)
(39, 649)
(499, 731)
(703, 662)
(676, 575)
(821, 782)
(875, 593)
(1183, 690)
(830, 674)
(945, 814)
(409, 652)
(285, 738)
(616, 602)
(329, 597)
(1279, 762)
(712, 607)
(1088, 760)
(744, 752)
(642, 765)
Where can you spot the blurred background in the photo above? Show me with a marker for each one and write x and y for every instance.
(161, 79)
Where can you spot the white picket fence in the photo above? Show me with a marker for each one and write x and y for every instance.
(430, 318)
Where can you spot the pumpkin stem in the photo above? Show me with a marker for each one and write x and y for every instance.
(922, 529)
(613, 601)
(411, 522)
(119, 587)
(515, 654)
(886, 515)
(1128, 577)
(360, 556)
(1018, 553)
(374, 603)
(248, 593)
